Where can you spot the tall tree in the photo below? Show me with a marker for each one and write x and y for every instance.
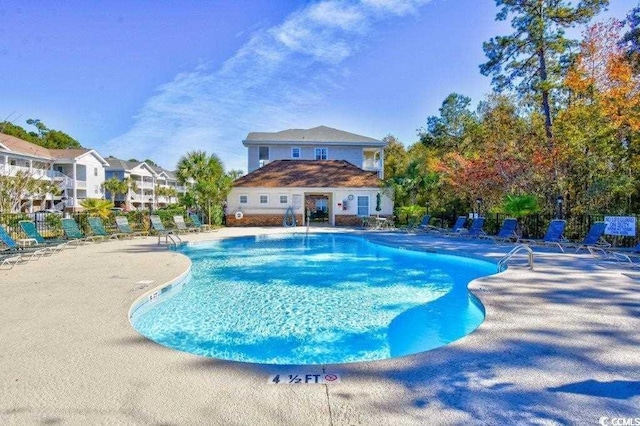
(206, 181)
(454, 128)
(50, 138)
(395, 157)
(631, 40)
(532, 59)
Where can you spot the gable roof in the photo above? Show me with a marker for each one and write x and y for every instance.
(19, 146)
(309, 174)
(118, 164)
(320, 134)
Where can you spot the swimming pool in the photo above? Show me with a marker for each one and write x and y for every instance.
(316, 299)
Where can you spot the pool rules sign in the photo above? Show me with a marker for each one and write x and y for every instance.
(620, 225)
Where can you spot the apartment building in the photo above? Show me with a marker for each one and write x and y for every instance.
(150, 187)
(77, 173)
(320, 172)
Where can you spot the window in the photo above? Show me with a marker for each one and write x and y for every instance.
(284, 199)
(244, 199)
(322, 205)
(263, 155)
(363, 205)
(295, 152)
(12, 162)
(264, 199)
(95, 171)
(321, 153)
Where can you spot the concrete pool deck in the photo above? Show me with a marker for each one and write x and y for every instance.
(560, 345)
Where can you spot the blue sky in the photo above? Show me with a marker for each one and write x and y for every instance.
(155, 79)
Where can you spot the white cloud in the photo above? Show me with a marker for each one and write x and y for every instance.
(270, 84)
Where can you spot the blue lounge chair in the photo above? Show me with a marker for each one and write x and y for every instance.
(124, 228)
(554, 235)
(593, 239)
(195, 219)
(181, 225)
(424, 223)
(457, 226)
(158, 227)
(23, 252)
(631, 254)
(10, 260)
(475, 230)
(507, 231)
(98, 229)
(31, 231)
(73, 232)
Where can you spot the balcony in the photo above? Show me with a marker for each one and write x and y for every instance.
(370, 164)
(9, 170)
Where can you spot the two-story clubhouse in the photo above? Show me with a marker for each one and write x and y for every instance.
(332, 175)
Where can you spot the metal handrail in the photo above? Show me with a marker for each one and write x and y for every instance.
(515, 251)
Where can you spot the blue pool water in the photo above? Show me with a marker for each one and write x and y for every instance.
(317, 299)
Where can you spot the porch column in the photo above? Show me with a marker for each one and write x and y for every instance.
(75, 184)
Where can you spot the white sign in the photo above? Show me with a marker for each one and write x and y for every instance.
(301, 379)
(620, 225)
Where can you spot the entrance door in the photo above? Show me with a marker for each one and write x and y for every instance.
(363, 205)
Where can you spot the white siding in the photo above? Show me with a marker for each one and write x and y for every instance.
(352, 154)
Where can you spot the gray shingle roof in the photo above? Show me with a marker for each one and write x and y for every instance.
(316, 134)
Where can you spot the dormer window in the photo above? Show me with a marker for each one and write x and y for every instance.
(321, 153)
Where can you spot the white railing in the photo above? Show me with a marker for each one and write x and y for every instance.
(371, 164)
(9, 170)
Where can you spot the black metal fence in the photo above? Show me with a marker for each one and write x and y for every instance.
(535, 226)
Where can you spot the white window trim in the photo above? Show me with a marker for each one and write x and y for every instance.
(368, 205)
(315, 152)
(280, 198)
(299, 152)
(240, 198)
(260, 198)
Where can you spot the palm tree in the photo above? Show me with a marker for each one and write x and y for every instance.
(208, 185)
(97, 207)
(132, 185)
(115, 186)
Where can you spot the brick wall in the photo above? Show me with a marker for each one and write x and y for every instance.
(259, 220)
(348, 220)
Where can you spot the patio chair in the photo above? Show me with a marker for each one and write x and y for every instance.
(195, 219)
(15, 250)
(458, 227)
(630, 254)
(593, 239)
(182, 226)
(73, 232)
(98, 229)
(506, 233)
(554, 235)
(424, 223)
(412, 225)
(158, 227)
(475, 230)
(124, 228)
(10, 260)
(31, 231)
